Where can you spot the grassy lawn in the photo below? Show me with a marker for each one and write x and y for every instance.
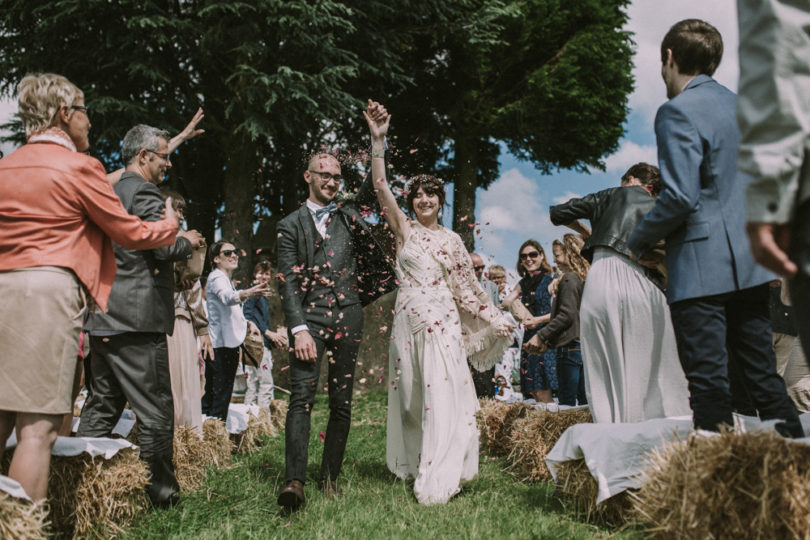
(241, 502)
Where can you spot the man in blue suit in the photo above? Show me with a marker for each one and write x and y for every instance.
(718, 296)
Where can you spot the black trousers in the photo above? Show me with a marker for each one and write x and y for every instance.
(219, 376)
(714, 332)
(800, 284)
(338, 336)
(134, 367)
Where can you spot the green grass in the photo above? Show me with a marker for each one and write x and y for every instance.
(241, 502)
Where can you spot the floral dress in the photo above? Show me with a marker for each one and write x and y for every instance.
(537, 371)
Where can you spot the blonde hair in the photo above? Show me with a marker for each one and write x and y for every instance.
(40, 98)
(571, 246)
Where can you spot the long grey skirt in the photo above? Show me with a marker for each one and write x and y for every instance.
(632, 371)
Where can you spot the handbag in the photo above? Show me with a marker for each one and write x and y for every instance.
(252, 351)
(191, 269)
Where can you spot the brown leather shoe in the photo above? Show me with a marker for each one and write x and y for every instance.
(330, 489)
(292, 496)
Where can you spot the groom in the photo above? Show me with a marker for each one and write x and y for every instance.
(331, 267)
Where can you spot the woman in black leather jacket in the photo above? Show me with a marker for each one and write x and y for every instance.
(632, 371)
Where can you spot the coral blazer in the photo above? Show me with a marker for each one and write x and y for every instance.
(58, 209)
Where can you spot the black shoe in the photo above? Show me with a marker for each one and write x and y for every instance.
(292, 496)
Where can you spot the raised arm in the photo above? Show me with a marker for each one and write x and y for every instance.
(378, 121)
(189, 132)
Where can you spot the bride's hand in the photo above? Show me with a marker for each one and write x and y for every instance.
(378, 120)
(506, 331)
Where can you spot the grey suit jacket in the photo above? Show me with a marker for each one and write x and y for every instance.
(701, 210)
(296, 252)
(142, 297)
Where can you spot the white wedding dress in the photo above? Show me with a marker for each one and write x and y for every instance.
(431, 433)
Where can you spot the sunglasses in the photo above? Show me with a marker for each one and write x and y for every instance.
(228, 252)
(478, 268)
(529, 255)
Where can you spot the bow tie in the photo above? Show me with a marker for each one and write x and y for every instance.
(331, 208)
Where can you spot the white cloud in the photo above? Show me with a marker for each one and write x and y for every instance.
(513, 209)
(649, 20)
(565, 197)
(629, 154)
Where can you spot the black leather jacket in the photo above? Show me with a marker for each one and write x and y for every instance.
(613, 214)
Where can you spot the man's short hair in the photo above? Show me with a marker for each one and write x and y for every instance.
(141, 137)
(697, 47)
(314, 157)
(40, 97)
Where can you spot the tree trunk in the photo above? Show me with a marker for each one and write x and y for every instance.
(239, 189)
(464, 188)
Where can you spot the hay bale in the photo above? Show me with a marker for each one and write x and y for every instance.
(278, 413)
(533, 437)
(97, 497)
(21, 519)
(258, 427)
(498, 421)
(218, 442)
(192, 457)
(747, 485)
(490, 419)
(579, 489)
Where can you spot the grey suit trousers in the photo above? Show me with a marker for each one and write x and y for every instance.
(134, 367)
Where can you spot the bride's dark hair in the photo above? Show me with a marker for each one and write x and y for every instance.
(430, 185)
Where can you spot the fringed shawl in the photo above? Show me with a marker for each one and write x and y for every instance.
(480, 319)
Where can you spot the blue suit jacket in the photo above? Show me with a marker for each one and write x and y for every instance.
(701, 210)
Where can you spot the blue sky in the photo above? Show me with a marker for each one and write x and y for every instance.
(515, 207)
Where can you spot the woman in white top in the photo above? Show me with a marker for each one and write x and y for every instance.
(227, 328)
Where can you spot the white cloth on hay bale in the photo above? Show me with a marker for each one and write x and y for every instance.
(93, 446)
(13, 488)
(616, 453)
(238, 417)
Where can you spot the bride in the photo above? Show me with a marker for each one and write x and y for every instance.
(443, 319)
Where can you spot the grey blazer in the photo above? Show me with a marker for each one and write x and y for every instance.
(375, 274)
(142, 297)
(701, 210)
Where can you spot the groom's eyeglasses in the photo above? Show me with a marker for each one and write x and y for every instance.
(326, 177)
(529, 255)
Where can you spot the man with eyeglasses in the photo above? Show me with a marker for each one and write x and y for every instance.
(331, 267)
(129, 355)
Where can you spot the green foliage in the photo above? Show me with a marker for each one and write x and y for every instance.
(279, 79)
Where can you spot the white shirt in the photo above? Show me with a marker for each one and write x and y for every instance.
(227, 325)
(320, 224)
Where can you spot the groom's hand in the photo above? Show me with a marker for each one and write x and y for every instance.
(304, 346)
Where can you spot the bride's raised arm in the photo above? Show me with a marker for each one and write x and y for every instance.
(378, 120)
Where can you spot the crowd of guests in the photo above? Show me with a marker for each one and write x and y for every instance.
(101, 285)
(655, 308)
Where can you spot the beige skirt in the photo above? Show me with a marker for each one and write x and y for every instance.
(41, 312)
(184, 371)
